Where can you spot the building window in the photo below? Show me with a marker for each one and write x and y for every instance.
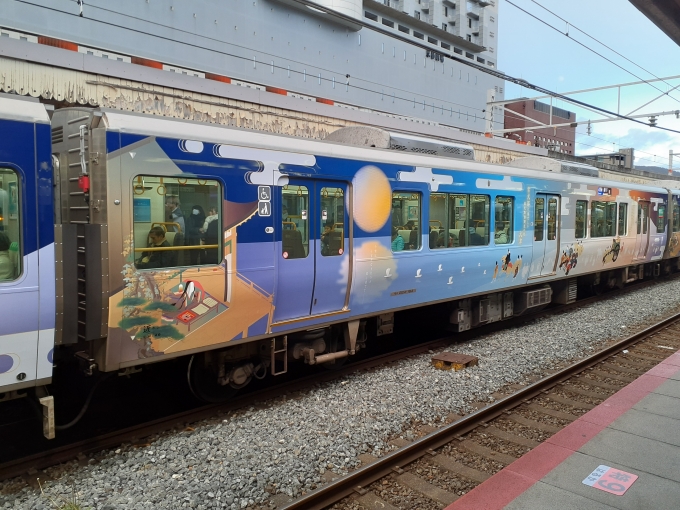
(432, 40)
(480, 59)
(457, 50)
(446, 11)
(445, 27)
(446, 46)
(418, 35)
(177, 222)
(416, 14)
(371, 16)
(623, 219)
(404, 29)
(602, 219)
(294, 222)
(10, 225)
(581, 213)
(492, 19)
(388, 23)
(458, 220)
(469, 55)
(469, 37)
(469, 22)
(406, 223)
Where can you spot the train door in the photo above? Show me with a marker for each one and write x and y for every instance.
(313, 268)
(642, 240)
(546, 230)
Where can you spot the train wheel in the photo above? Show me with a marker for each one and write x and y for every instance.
(202, 379)
(334, 345)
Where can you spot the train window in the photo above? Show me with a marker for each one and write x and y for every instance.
(676, 216)
(661, 219)
(503, 225)
(177, 221)
(294, 222)
(623, 219)
(602, 219)
(406, 227)
(478, 226)
(10, 226)
(440, 235)
(332, 222)
(552, 219)
(539, 214)
(643, 215)
(581, 214)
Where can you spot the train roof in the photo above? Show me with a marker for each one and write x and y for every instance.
(144, 124)
(24, 109)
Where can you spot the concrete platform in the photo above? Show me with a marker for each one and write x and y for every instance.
(636, 431)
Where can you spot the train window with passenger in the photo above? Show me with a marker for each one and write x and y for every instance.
(10, 226)
(440, 235)
(623, 219)
(539, 215)
(552, 219)
(177, 222)
(581, 214)
(332, 222)
(602, 219)
(294, 222)
(661, 219)
(406, 224)
(503, 226)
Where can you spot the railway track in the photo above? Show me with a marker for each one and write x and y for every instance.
(29, 467)
(436, 469)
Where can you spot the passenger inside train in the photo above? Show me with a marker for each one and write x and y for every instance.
(10, 225)
(161, 222)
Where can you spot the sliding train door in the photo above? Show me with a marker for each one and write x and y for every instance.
(313, 261)
(642, 238)
(546, 235)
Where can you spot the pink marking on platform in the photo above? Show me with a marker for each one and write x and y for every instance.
(512, 481)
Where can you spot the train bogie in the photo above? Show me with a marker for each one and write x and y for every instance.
(244, 251)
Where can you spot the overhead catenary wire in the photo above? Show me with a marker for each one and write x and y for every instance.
(603, 44)
(591, 50)
(492, 72)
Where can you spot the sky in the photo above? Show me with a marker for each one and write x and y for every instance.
(529, 49)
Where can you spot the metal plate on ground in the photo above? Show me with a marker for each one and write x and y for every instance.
(453, 361)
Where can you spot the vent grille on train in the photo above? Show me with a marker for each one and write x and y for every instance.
(57, 135)
(406, 143)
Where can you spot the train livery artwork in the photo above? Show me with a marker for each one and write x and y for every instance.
(243, 250)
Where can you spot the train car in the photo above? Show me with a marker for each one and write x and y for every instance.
(27, 288)
(243, 251)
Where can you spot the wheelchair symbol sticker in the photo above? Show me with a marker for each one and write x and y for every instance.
(264, 193)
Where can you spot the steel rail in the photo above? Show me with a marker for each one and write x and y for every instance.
(362, 477)
(47, 458)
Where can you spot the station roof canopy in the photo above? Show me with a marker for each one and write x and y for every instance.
(665, 14)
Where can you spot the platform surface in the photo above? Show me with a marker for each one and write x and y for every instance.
(635, 431)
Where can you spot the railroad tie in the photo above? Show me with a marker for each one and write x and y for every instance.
(598, 384)
(624, 370)
(569, 402)
(552, 412)
(426, 488)
(585, 393)
(533, 423)
(458, 468)
(488, 453)
(512, 438)
(616, 377)
(370, 501)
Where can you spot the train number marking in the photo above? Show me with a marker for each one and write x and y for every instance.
(610, 480)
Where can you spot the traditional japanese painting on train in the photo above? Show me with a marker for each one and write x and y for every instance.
(159, 310)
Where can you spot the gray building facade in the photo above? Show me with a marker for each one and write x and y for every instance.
(333, 51)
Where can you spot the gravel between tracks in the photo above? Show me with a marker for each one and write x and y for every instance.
(286, 446)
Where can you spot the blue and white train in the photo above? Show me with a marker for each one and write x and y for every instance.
(133, 239)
